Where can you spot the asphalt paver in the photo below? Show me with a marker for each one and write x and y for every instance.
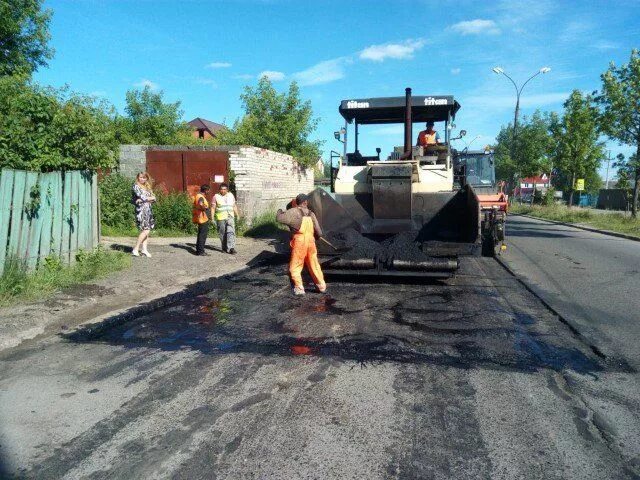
(469, 377)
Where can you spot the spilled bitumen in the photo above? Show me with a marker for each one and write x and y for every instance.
(458, 323)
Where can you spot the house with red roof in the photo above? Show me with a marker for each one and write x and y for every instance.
(525, 186)
(204, 129)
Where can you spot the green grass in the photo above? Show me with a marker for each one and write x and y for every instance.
(614, 222)
(262, 226)
(17, 284)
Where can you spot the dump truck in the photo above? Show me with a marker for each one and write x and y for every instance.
(407, 214)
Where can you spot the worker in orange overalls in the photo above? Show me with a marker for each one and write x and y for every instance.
(304, 227)
(201, 216)
(428, 137)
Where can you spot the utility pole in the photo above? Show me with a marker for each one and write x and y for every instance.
(606, 182)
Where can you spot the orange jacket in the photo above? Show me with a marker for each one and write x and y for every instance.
(427, 137)
(199, 211)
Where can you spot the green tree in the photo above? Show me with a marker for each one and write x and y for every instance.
(626, 169)
(619, 101)
(277, 121)
(45, 129)
(150, 121)
(578, 152)
(506, 167)
(24, 34)
(530, 154)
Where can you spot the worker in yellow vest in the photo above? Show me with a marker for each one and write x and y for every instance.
(226, 213)
(428, 137)
(202, 218)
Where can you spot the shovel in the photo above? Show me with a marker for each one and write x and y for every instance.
(344, 249)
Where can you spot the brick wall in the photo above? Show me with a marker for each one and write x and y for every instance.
(266, 180)
(132, 160)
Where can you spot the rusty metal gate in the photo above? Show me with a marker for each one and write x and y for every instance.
(186, 170)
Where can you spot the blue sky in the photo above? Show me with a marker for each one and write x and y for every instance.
(203, 53)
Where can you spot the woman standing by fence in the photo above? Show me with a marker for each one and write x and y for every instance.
(142, 198)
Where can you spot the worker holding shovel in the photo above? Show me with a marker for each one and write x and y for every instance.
(304, 227)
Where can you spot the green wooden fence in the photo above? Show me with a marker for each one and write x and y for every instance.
(47, 214)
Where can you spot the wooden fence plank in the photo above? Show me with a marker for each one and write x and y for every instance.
(36, 220)
(88, 234)
(65, 250)
(16, 212)
(27, 214)
(47, 182)
(75, 187)
(82, 208)
(57, 220)
(95, 209)
(6, 194)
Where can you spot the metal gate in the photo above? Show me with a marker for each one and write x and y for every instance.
(185, 171)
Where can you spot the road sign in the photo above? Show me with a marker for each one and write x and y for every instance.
(580, 184)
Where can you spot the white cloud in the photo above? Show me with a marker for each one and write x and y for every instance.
(323, 72)
(147, 83)
(575, 31)
(272, 75)
(606, 45)
(476, 27)
(218, 65)
(455, 71)
(509, 101)
(398, 51)
(206, 81)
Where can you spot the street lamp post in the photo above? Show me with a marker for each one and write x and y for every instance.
(500, 71)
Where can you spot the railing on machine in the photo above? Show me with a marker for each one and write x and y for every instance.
(333, 155)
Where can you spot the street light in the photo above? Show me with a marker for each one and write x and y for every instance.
(500, 71)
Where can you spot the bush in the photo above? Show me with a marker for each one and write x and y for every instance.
(116, 209)
(47, 129)
(172, 211)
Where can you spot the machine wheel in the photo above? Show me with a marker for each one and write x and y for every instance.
(489, 245)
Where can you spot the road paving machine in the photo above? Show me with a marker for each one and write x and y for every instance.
(408, 214)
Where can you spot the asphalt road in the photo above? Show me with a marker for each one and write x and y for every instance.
(592, 280)
(470, 378)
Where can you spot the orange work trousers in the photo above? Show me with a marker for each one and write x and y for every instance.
(304, 252)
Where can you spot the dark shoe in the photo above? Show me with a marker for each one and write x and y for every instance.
(233, 251)
(202, 254)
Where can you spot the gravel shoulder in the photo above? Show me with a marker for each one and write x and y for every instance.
(172, 268)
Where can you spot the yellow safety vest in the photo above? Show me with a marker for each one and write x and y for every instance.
(222, 209)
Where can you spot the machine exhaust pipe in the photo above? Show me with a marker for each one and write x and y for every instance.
(408, 126)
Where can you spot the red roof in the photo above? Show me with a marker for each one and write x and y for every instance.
(544, 178)
(201, 123)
